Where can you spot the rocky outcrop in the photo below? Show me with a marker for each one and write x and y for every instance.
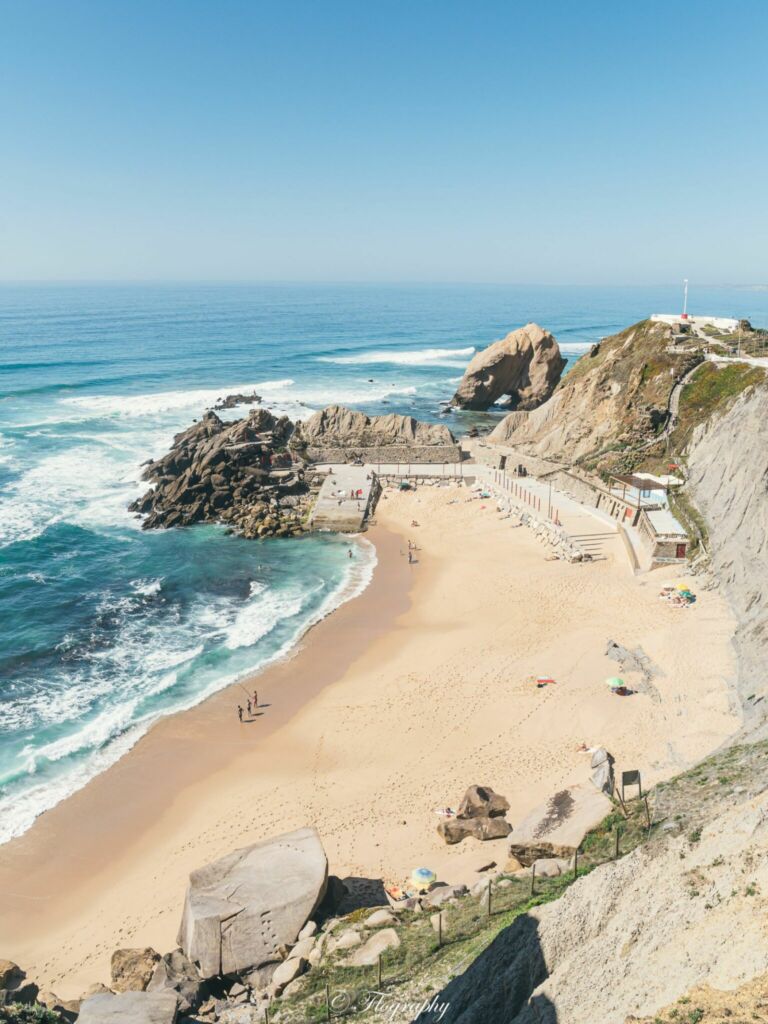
(132, 969)
(523, 369)
(241, 911)
(130, 1008)
(232, 401)
(239, 473)
(454, 830)
(177, 974)
(480, 815)
(10, 974)
(482, 802)
(15, 987)
(339, 435)
(615, 398)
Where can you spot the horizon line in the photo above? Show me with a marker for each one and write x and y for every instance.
(360, 282)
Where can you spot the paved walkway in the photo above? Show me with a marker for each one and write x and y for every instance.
(338, 508)
(593, 530)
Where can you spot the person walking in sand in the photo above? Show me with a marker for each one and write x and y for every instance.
(240, 712)
(410, 557)
(255, 699)
(248, 705)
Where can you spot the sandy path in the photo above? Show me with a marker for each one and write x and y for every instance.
(390, 711)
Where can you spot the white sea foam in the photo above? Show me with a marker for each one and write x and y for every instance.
(403, 357)
(572, 347)
(103, 740)
(153, 403)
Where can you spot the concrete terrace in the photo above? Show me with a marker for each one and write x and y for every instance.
(337, 507)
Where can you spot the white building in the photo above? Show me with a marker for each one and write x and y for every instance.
(720, 323)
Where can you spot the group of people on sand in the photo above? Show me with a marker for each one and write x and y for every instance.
(251, 705)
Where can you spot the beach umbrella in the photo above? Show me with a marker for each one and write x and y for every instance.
(614, 682)
(422, 878)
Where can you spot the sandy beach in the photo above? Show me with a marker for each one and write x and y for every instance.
(389, 709)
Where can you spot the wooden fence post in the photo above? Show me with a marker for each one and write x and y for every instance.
(379, 973)
(647, 812)
(576, 863)
(616, 851)
(490, 887)
(327, 1001)
(533, 878)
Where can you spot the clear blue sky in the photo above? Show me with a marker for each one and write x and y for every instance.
(561, 142)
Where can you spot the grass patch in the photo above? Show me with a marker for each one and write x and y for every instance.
(710, 389)
(420, 966)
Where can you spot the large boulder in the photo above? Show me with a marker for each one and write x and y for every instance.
(10, 974)
(130, 1008)
(557, 827)
(453, 830)
(132, 968)
(482, 802)
(524, 369)
(176, 973)
(240, 910)
(375, 947)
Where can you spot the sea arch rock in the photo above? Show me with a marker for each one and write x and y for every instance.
(524, 368)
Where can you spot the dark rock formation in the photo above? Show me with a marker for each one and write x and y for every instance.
(482, 802)
(232, 401)
(453, 830)
(238, 473)
(524, 368)
(481, 815)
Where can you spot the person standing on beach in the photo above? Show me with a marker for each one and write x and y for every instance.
(240, 712)
(248, 705)
(410, 557)
(255, 699)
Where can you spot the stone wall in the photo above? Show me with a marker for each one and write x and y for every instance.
(402, 454)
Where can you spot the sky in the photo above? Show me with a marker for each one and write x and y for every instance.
(326, 140)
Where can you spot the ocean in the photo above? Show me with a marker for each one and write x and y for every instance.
(105, 628)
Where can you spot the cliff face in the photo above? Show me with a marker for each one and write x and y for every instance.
(728, 480)
(524, 368)
(632, 936)
(615, 396)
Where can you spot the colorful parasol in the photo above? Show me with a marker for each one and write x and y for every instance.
(422, 878)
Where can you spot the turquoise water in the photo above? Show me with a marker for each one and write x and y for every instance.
(104, 628)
